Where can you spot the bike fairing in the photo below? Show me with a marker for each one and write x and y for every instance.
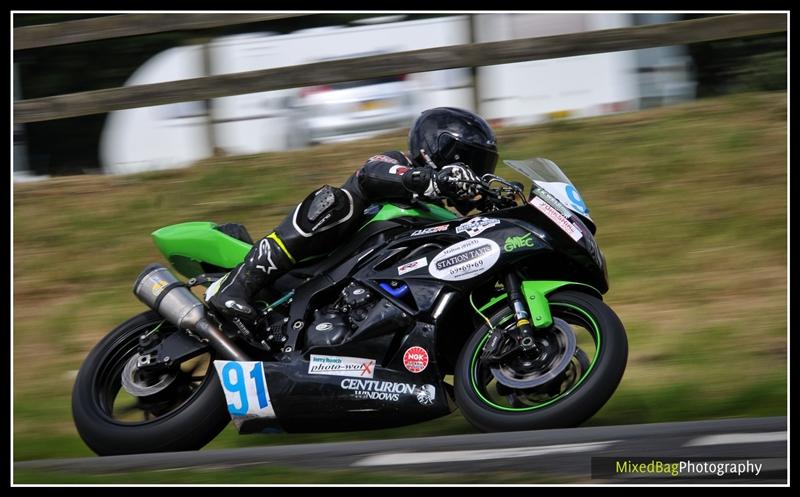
(460, 261)
(372, 354)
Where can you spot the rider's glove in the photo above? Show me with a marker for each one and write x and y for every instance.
(454, 181)
(457, 181)
(421, 181)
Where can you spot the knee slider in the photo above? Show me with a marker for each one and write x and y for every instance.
(324, 208)
(321, 201)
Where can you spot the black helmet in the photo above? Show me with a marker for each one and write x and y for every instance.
(449, 135)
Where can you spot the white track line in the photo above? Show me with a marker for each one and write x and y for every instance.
(738, 438)
(401, 458)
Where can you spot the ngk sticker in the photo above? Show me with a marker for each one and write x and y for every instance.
(415, 359)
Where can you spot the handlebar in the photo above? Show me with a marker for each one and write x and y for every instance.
(502, 196)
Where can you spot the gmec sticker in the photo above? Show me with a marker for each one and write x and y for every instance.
(465, 260)
(415, 359)
(515, 242)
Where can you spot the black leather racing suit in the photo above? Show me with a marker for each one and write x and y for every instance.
(330, 214)
(318, 224)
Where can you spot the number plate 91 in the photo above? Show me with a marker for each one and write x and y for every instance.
(245, 388)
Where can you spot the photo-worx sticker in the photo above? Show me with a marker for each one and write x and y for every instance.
(415, 312)
(341, 366)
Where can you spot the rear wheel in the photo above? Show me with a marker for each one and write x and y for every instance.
(589, 367)
(120, 409)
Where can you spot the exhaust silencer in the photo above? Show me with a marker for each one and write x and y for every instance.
(160, 290)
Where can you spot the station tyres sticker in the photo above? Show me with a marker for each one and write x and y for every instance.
(415, 359)
(464, 260)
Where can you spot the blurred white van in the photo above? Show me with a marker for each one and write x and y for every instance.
(177, 135)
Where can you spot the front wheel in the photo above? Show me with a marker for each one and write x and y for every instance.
(181, 408)
(570, 397)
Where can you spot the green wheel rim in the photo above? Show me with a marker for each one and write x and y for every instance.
(473, 363)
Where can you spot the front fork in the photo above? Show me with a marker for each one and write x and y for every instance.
(522, 334)
(523, 331)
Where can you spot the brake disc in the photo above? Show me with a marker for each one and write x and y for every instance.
(138, 384)
(556, 347)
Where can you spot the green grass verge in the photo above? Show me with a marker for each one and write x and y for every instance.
(690, 201)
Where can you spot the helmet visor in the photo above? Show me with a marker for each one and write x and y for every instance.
(480, 159)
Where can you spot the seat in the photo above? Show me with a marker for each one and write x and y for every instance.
(237, 231)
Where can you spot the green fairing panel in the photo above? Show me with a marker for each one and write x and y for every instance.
(433, 212)
(188, 244)
(535, 293)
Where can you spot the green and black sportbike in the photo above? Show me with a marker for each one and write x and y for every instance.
(498, 314)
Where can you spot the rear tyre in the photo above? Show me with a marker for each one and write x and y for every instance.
(182, 409)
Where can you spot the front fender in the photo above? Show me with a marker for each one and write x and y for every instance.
(536, 293)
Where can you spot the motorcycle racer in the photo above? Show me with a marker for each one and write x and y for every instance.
(449, 150)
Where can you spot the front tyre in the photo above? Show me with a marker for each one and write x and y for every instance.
(572, 397)
(182, 408)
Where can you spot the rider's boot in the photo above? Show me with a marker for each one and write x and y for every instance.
(232, 294)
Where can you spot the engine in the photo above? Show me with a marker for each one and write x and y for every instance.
(334, 323)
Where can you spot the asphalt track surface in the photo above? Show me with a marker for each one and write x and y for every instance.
(564, 452)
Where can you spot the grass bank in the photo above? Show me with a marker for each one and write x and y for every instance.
(690, 200)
